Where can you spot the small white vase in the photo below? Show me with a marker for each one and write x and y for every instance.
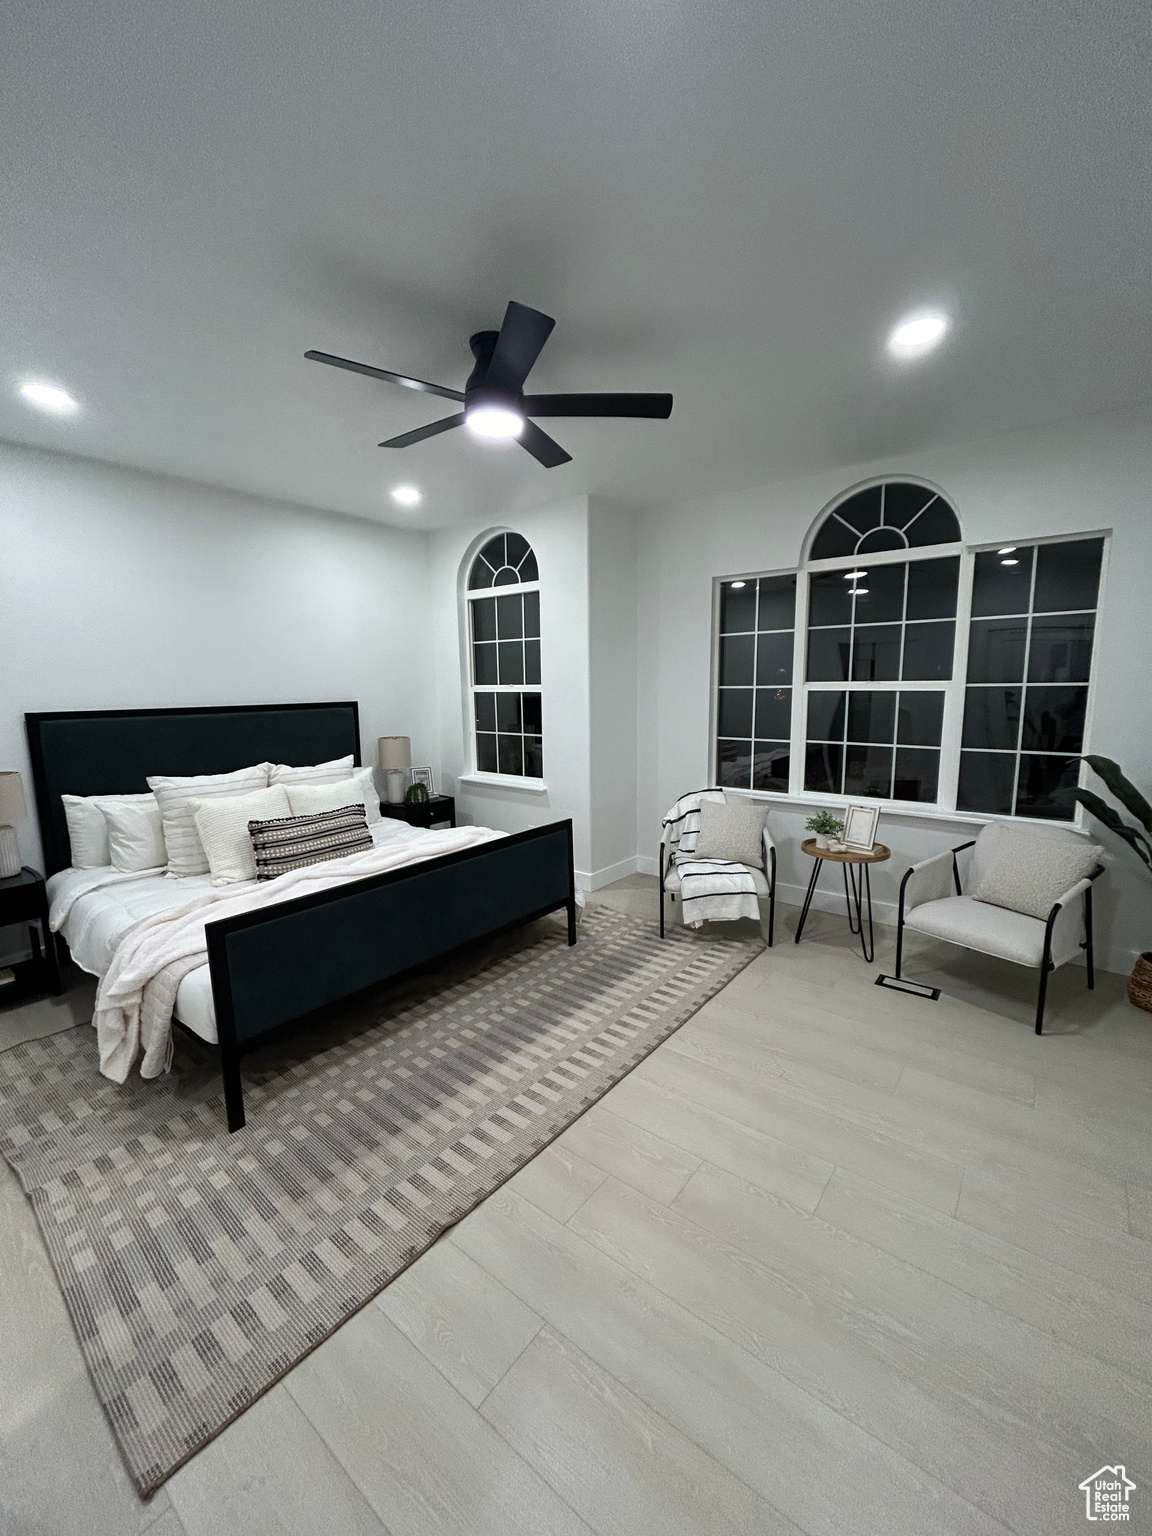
(822, 840)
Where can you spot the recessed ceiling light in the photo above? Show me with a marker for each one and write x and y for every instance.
(50, 398)
(1009, 549)
(854, 575)
(495, 422)
(860, 591)
(1009, 562)
(736, 585)
(406, 495)
(917, 334)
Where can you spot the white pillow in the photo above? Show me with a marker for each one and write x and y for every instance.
(222, 826)
(1028, 869)
(319, 773)
(135, 831)
(87, 832)
(175, 796)
(360, 789)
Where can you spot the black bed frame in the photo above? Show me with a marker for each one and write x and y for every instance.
(275, 966)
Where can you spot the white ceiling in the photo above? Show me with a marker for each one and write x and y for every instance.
(732, 201)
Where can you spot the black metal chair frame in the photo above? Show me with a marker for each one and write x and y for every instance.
(900, 983)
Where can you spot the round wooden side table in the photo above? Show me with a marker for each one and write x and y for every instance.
(857, 884)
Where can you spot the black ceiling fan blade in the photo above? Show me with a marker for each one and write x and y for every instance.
(383, 373)
(542, 447)
(433, 429)
(653, 407)
(521, 339)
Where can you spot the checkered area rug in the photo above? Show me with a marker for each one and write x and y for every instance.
(199, 1267)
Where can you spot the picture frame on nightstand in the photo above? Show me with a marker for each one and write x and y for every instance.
(860, 827)
(423, 776)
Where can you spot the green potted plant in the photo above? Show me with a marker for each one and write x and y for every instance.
(826, 827)
(1138, 838)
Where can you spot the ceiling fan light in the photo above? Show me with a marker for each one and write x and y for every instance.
(495, 422)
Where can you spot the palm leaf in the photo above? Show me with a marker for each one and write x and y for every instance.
(1104, 813)
(1127, 794)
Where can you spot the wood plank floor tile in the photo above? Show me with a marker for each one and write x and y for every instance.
(621, 1466)
(270, 1473)
(1047, 1295)
(425, 1459)
(748, 1416)
(965, 1417)
(1140, 1211)
(466, 1323)
(1113, 1257)
(706, 1134)
(827, 1131)
(640, 1157)
(558, 1180)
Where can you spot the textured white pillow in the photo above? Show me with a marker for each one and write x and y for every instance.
(319, 773)
(360, 789)
(1028, 869)
(222, 826)
(135, 831)
(732, 831)
(175, 795)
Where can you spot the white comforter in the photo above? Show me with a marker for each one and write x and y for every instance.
(135, 999)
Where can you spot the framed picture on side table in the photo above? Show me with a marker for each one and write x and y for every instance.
(860, 827)
(424, 776)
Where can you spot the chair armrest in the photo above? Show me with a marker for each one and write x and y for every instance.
(929, 880)
(1066, 920)
(768, 846)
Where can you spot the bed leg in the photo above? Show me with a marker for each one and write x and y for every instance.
(233, 1093)
(572, 922)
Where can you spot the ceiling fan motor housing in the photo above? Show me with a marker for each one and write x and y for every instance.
(477, 391)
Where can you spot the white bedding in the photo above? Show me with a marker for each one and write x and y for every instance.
(94, 908)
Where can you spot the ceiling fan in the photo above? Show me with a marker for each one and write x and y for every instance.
(495, 405)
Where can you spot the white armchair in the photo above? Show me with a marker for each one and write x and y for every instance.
(932, 902)
(683, 822)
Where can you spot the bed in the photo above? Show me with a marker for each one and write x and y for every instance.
(270, 968)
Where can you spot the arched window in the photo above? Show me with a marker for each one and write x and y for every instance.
(900, 666)
(881, 640)
(504, 656)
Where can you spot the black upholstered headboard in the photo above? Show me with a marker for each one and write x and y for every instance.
(113, 751)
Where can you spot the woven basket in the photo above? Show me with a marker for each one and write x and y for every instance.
(1140, 983)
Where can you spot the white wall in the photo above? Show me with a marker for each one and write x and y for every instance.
(1097, 475)
(612, 689)
(124, 589)
(559, 536)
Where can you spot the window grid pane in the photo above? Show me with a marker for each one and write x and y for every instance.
(879, 744)
(754, 682)
(1029, 661)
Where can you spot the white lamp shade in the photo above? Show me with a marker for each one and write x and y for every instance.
(12, 806)
(394, 752)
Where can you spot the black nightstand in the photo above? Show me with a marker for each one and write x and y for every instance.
(23, 899)
(423, 812)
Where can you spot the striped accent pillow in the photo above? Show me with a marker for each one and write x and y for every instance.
(292, 842)
(319, 773)
(186, 854)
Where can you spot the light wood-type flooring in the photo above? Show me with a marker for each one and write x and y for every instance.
(832, 1260)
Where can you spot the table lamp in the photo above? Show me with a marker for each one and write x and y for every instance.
(394, 755)
(12, 808)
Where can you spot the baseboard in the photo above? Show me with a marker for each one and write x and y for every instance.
(595, 879)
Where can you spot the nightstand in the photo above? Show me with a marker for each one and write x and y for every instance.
(423, 813)
(24, 899)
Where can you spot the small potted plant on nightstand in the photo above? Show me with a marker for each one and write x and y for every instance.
(826, 827)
